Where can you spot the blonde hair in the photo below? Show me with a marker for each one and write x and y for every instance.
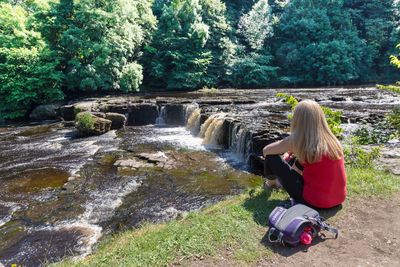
(311, 137)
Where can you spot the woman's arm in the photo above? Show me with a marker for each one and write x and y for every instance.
(278, 147)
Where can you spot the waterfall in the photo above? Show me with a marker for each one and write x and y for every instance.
(193, 121)
(240, 141)
(161, 116)
(188, 111)
(211, 130)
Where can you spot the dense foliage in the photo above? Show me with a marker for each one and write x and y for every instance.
(55, 47)
(28, 72)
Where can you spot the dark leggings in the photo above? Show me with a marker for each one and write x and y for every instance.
(290, 180)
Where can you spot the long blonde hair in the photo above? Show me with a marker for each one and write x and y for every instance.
(311, 137)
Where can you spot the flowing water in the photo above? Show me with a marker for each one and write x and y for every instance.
(60, 194)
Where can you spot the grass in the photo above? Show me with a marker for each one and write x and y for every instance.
(238, 224)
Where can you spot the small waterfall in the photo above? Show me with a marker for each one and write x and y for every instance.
(211, 130)
(161, 116)
(188, 111)
(193, 121)
(240, 141)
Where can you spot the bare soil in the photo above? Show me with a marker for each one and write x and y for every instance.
(369, 236)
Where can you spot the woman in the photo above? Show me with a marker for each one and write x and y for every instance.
(312, 170)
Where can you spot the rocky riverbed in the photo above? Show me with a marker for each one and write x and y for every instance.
(60, 193)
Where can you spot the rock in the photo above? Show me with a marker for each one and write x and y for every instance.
(67, 112)
(131, 163)
(45, 112)
(174, 114)
(99, 114)
(68, 124)
(256, 164)
(118, 120)
(84, 106)
(87, 124)
(160, 159)
(338, 98)
(142, 114)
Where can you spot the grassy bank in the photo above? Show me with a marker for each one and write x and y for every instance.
(238, 223)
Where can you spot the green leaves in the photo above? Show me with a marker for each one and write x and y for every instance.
(180, 54)
(256, 26)
(28, 74)
(100, 42)
(320, 45)
(333, 117)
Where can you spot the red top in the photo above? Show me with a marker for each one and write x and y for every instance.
(324, 182)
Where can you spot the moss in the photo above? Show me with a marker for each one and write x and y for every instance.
(85, 122)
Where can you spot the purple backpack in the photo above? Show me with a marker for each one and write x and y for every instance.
(288, 226)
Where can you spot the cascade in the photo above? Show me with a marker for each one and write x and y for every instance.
(188, 111)
(240, 141)
(211, 130)
(193, 121)
(161, 116)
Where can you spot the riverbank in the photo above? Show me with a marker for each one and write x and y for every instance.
(232, 231)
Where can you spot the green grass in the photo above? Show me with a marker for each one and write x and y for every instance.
(239, 224)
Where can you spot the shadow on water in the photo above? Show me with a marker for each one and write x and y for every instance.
(261, 206)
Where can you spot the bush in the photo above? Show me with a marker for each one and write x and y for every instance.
(393, 119)
(358, 157)
(333, 117)
(84, 122)
(132, 76)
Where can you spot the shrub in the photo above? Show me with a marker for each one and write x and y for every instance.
(132, 76)
(333, 117)
(358, 157)
(84, 122)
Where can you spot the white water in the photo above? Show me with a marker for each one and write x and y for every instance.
(177, 136)
(160, 120)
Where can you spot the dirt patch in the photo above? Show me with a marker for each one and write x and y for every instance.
(369, 236)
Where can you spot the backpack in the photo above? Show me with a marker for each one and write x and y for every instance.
(298, 224)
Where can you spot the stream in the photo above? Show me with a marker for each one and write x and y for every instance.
(60, 194)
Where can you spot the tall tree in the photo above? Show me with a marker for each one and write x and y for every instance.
(188, 48)
(377, 22)
(252, 64)
(28, 74)
(318, 44)
(100, 42)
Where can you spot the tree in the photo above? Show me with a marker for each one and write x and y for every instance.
(318, 44)
(185, 46)
(100, 42)
(256, 26)
(251, 67)
(28, 74)
(377, 22)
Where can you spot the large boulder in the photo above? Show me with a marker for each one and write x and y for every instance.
(88, 124)
(45, 112)
(68, 112)
(118, 120)
(174, 114)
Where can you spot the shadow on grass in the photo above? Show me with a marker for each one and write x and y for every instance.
(260, 205)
